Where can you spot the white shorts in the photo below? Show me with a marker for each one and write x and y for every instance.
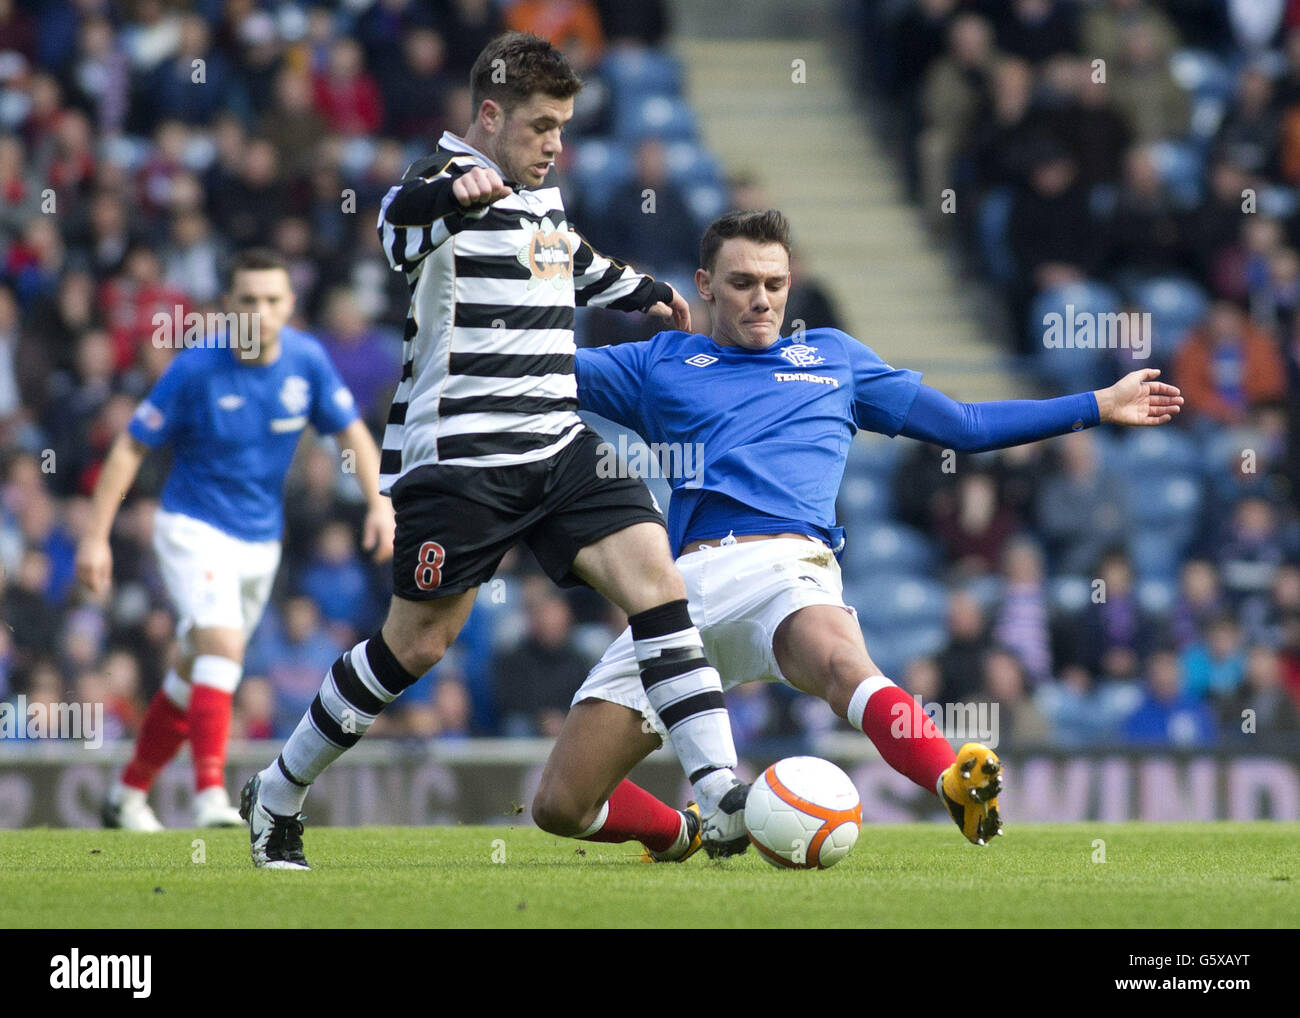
(215, 580)
(739, 594)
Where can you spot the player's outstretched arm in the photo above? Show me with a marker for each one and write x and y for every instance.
(94, 557)
(1136, 399)
(377, 532)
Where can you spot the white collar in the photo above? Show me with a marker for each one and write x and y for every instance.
(455, 144)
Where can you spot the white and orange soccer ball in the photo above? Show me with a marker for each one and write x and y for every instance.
(803, 813)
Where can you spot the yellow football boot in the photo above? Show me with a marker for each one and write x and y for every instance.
(969, 788)
(693, 842)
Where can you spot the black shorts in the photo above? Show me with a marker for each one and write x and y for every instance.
(455, 523)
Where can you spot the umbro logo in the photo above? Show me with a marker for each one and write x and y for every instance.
(230, 402)
(701, 360)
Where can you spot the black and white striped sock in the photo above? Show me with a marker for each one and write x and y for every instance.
(686, 692)
(360, 684)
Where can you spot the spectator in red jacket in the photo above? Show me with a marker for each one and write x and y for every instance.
(348, 97)
(1228, 367)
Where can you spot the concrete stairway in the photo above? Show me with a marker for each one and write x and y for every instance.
(809, 146)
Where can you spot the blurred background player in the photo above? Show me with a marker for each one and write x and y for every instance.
(484, 448)
(757, 535)
(233, 411)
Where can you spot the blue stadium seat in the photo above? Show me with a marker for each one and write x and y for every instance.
(894, 650)
(689, 163)
(1146, 451)
(653, 116)
(1169, 504)
(873, 455)
(1157, 596)
(1069, 594)
(707, 201)
(600, 168)
(1202, 73)
(1176, 305)
(888, 548)
(1181, 166)
(1156, 554)
(1072, 369)
(864, 500)
(632, 72)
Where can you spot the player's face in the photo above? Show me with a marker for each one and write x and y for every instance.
(527, 139)
(265, 293)
(747, 288)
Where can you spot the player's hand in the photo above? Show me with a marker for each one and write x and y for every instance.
(95, 564)
(679, 310)
(378, 531)
(479, 186)
(1137, 400)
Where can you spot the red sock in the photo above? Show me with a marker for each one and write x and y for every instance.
(636, 815)
(906, 736)
(209, 732)
(165, 727)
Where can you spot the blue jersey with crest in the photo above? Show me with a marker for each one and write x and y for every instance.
(234, 425)
(773, 426)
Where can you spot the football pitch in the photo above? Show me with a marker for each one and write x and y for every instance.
(913, 875)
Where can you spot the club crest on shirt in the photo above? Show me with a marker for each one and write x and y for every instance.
(546, 253)
(295, 394)
(802, 356)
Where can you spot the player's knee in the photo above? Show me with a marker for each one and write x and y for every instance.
(845, 666)
(557, 813)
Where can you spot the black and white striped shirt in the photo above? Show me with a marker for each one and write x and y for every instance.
(487, 362)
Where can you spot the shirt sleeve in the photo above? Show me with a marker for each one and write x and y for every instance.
(601, 282)
(333, 407)
(420, 213)
(157, 418)
(611, 380)
(975, 427)
(882, 394)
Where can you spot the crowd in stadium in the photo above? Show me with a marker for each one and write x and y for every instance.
(127, 181)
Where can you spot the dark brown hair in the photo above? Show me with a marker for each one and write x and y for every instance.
(515, 65)
(254, 259)
(766, 226)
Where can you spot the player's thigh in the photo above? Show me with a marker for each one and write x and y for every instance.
(633, 567)
(604, 531)
(419, 632)
(598, 746)
(218, 641)
(202, 577)
(820, 650)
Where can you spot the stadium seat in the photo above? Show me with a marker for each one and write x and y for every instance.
(707, 201)
(1202, 73)
(600, 168)
(1072, 369)
(1157, 596)
(689, 163)
(634, 72)
(893, 650)
(864, 500)
(653, 116)
(873, 455)
(1146, 451)
(1176, 306)
(1181, 166)
(889, 548)
(1170, 505)
(1069, 594)
(1156, 554)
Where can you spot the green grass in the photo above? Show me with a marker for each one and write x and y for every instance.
(1155, 875)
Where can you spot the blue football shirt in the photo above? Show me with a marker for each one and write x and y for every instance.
(773, 426)
(234, 426)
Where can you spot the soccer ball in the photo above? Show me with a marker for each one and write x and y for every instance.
(803, 813)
